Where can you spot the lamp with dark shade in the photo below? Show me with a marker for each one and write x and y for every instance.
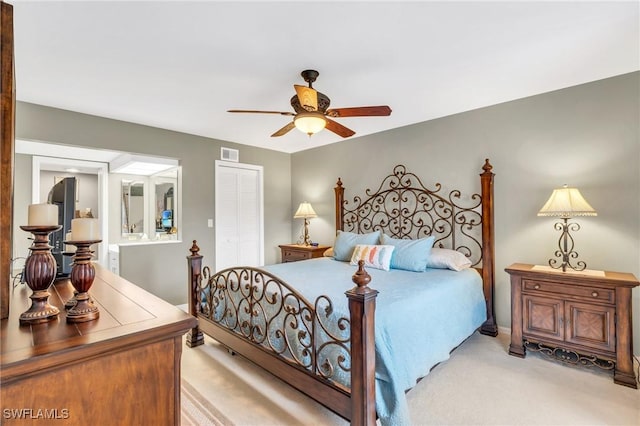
(566, 203)
(305, 211)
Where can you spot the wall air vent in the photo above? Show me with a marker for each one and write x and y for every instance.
(228, 154)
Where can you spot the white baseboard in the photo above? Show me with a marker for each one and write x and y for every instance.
(504, 330)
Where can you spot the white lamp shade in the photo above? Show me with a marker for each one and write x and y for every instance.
(566, 202)
(310, 122)
(305, 211)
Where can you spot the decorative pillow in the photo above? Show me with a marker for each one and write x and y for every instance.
(328, 252)
(448, 259)
(378, 256)
(410, 255)
(347, 241)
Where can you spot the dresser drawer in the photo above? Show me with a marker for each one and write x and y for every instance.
(604, 295)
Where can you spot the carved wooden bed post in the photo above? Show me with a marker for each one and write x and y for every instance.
(489, 327)
(194, 269)
(339, 190)
(362, 306)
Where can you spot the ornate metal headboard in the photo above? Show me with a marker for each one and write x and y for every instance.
(402, 207)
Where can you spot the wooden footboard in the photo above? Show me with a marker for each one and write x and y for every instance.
(254, 313)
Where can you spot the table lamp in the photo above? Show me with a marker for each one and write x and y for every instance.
(305, 211)
(566, 203)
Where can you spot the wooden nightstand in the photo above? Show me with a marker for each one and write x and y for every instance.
(576, 317)
(295, 252)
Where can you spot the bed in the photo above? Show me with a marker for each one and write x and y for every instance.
(359, 354)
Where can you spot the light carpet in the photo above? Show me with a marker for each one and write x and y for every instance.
(479, 385)
(195, 410)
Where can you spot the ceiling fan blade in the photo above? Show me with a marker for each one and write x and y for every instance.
(261, 112)
(284, 130)
(307, 96)
(360, 111)
(338, 129)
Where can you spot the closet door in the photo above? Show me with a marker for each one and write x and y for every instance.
(238, 215)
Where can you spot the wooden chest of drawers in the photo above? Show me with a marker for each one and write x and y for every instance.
(575, 317)
(295, 252)
(120, 369)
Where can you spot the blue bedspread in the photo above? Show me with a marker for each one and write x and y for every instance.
(420, 318)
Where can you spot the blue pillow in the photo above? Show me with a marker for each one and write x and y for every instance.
(410, 255)
(346, 242)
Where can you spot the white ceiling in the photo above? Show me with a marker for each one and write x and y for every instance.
(181, 65)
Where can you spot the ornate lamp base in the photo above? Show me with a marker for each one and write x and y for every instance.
(82, 276)
(39, 271)
(565, 247)
(304, 238)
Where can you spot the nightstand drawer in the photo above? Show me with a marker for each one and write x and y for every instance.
(295, 255)
(605, 295)
(296, 252)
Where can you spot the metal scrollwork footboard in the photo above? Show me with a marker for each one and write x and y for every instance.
(328, 355)
(262, 309)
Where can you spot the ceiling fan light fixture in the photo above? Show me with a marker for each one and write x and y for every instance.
(312, 113)
(310, 122)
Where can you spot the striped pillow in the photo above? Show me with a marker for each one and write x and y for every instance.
(374, 256)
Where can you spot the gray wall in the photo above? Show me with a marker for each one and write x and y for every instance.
(21, 200)
(161, 269)
(586, 136)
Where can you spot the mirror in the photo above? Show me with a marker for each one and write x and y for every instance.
(151, 206)
(165, 211)
(132, 208)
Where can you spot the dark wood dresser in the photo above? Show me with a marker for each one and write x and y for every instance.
(575, 317)
(295, 252)
(120, 369)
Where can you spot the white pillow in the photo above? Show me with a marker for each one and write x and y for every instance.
(447, 259)
(374, 256)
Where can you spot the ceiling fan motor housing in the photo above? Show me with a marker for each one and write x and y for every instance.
(323, 103)
(309, 76)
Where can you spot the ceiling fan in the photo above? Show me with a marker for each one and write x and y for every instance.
(312, 113)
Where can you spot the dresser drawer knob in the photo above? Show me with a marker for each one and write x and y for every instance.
(594, 294)
(537, 286)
